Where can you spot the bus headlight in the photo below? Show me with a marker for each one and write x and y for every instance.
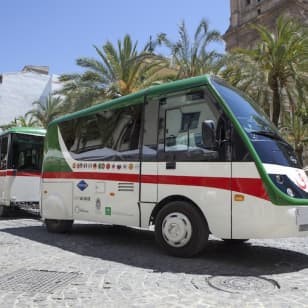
(287, 186)
(279, 179)
(290, 192)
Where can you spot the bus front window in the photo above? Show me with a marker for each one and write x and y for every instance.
(265, 137)
(276, 154)
(27, 152)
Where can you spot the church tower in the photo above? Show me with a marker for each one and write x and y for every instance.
(264, 12)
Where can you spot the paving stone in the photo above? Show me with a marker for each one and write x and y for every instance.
(120, 267)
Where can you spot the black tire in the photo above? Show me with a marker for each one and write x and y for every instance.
(3, 210)
(180, 229)
(58, 226)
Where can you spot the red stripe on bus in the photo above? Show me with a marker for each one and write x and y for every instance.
(20, 173)
(125, 177)
(248, 186)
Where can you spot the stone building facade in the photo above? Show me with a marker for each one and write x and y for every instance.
(264, 12)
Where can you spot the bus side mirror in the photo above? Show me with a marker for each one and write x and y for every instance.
(208, 134)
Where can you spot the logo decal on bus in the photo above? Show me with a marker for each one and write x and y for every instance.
(108, 210)
(82, 185)
(98, 203)
(301, 180)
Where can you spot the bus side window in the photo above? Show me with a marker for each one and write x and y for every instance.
(127, 132)
(239, 149)
(223, 137)
(149, 151)
(187, 128)
(107, 135)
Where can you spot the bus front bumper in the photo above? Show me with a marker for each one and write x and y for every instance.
(302, 218)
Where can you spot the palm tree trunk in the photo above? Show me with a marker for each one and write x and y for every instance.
(276, 102)
(299, 149)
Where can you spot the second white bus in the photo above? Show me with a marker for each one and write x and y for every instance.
(21, 157)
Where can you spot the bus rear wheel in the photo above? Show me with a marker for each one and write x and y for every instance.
(58, 226)
(180, 229)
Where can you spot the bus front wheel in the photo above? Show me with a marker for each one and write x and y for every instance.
(180, 229)
(58, 226)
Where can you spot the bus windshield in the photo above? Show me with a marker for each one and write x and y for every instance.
(27, 152)
(265, 137)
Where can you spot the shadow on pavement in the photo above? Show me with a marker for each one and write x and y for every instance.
(138, 248)
(20, 214)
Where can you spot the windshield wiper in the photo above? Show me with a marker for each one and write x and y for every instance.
(269, 134)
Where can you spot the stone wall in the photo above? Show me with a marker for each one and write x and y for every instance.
(264, 12)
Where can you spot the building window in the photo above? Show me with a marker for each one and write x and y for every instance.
(248, 2)
(190, 120)
(1, 79)
(259, 11)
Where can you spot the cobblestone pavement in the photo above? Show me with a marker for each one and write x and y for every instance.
(106, 266)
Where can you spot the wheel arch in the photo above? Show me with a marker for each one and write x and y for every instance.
(172, 198)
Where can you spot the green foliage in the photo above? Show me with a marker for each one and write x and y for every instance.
(275, 75)
(44, 112)
(282, 56)
(22, 121)
(190, 57)
(119, 70)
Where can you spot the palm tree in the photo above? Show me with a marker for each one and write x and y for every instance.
(22, 121)
(282, 56)
(274, 74)
(119, 71)
(46, 111)
(295, 120)
(80, 98)
(190, 57)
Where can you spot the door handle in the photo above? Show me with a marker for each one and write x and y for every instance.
(171, 164)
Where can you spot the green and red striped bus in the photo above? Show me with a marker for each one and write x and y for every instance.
(188, 159)
(21, 157)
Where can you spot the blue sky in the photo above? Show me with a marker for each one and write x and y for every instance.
(56, 32)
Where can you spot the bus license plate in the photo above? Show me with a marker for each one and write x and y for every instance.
(302, 218)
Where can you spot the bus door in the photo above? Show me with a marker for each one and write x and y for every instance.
(247, 190)
(148, 171)
(192, 163)
(4, 198)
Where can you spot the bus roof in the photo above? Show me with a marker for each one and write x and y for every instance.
(132, 98)
(36, 131)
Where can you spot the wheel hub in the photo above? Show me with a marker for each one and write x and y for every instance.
(176, 229)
